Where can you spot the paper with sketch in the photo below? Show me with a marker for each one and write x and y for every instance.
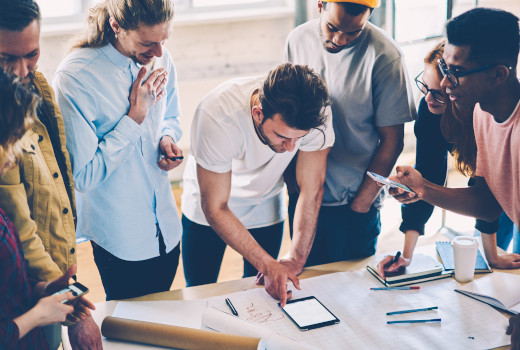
(217, 320)
(466, 323)
(184, 313)
(499, 289)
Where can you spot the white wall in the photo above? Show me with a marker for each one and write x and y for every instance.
(212, 48)
(206, 52)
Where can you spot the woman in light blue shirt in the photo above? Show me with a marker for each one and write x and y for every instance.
(118, 94)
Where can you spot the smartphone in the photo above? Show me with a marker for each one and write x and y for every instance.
(76, 288)
(387, 181)
(308, 313)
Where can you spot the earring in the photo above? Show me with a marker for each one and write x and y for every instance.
(116, 36)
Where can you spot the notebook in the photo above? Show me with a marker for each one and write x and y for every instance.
(445, 251)
(500, 289)
(422, 269)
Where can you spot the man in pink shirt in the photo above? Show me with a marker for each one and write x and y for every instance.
(479, 66)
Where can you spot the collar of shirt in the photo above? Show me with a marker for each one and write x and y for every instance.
(121, 61)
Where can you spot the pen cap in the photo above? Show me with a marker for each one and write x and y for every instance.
(465, 256)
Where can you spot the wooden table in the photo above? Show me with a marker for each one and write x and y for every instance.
(223, 288)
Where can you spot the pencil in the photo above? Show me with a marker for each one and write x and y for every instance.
(396, 288)
(415, 321)
(412, 310)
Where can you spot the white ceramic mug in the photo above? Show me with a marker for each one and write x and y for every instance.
(465, 255)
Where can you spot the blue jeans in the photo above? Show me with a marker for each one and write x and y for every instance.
(506, 232)
(341, 234)
(203, 250)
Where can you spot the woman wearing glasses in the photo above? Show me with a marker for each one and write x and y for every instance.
(439, 129)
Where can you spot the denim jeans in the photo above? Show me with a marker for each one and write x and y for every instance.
(341, 233)
(506, 232)
(124, 279)
(203, 250)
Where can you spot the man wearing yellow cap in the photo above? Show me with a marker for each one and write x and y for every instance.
(372, 99)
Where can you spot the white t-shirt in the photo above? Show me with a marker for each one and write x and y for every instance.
(223, 139)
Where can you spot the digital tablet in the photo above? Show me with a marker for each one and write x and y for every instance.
(387, 181)
(308, 313)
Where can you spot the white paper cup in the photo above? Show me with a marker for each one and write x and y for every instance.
(465, 255)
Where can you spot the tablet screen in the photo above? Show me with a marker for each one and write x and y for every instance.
(309, 313)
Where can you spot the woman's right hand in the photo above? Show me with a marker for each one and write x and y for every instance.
(51, 309)
(385, 266)
(145, 94)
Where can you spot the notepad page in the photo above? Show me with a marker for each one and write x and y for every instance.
(466, 323)
(504, 287)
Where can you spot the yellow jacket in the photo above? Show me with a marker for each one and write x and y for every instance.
(38, 199)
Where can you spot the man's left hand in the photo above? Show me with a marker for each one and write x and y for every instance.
(85, 335)
(169, 150)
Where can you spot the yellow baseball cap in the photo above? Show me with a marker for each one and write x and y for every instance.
(369, 3)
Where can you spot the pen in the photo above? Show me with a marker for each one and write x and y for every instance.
(231, 307)
(415, 321)
(396, 288)
(396, 258)
(412, 310)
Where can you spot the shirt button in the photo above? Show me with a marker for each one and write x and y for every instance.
(72, 250)
(40, 138)
(55, 175)
(65, 210)
(33, 148)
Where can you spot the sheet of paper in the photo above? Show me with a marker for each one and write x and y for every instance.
(466, 323)
(184, 313)
(215, 319)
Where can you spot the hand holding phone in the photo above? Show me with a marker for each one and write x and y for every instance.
(77, 290)
(388, 182)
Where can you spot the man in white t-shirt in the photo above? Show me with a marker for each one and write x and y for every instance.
(371, 100)
(244, 134)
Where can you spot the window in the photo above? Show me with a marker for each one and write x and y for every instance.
(53, 11)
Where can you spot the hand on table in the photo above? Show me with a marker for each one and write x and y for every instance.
(276, 277)
(85, 335)
(169, 150)
(506, 261)
(385, 266)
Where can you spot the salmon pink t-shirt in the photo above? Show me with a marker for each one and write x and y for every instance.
(498, 158)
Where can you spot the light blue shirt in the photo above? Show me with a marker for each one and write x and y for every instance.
(121, 193)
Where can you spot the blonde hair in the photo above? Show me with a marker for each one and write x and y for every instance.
(17, 108)
(129, 14)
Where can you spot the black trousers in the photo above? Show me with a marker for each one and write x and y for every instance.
(124, 279)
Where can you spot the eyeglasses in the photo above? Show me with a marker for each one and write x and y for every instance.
(453, 77)
(436, 94)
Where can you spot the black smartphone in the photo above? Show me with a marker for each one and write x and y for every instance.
(308, 313)
(76, 288)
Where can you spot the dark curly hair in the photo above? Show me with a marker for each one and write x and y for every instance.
(298, 94)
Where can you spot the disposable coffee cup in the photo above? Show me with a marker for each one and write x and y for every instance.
(465, 255)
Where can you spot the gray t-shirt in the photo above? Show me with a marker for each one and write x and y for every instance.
(369, 88)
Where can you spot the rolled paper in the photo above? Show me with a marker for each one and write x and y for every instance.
(174, 336)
